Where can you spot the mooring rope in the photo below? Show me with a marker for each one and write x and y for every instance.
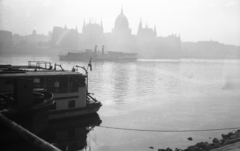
(169, 131)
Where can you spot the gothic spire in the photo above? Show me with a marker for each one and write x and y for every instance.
(84, 23)
(122, 10)
(140, 24)
(155, 30)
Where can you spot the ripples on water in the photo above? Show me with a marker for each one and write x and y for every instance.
(154, 94)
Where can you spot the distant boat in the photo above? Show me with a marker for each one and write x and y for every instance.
(69, 88)
(98, 56)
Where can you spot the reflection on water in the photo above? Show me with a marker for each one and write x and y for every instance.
(157, 94)
(71, 134)
(68, 134)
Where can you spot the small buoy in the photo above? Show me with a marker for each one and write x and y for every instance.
(190, 138)
(151, 147)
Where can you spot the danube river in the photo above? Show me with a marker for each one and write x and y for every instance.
(147, 103)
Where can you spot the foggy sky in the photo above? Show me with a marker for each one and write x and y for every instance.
(194, 20)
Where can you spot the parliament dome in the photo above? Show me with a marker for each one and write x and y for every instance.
(121, 21)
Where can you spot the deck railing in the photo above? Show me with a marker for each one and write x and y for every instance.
(39, 64)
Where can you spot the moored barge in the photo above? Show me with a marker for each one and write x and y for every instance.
(69, 88)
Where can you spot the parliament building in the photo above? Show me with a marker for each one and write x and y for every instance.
(146, 42)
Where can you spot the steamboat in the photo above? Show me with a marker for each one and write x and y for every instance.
(98, 56)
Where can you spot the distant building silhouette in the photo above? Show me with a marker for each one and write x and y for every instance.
(32, 40)
(210, 50)
(6, 40)
(146, 32)
(92, 34)
(145, 42)
(63, 38)
(121, 26)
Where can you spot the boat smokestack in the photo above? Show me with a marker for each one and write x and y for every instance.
(95, 50)
(103, 49)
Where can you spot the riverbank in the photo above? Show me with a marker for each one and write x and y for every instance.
(231, 147)
(228, 142)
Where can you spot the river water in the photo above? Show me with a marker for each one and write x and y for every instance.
(149, 95)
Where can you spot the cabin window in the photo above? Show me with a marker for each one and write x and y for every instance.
(38, 82)
(71, 104)
(70, 85)
(79, 81)
(50, 81)
(63, 84)
(74, 82)
(50, 84)
(56, 84)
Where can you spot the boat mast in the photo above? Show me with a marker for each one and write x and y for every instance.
(86, 70)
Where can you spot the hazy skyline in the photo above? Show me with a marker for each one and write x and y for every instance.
(194, 20)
